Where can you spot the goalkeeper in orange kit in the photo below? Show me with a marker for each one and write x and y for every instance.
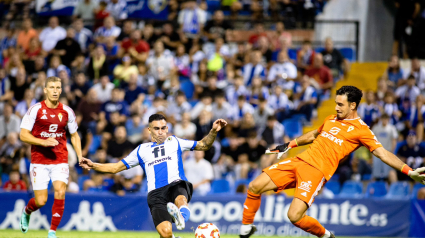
(336, 138)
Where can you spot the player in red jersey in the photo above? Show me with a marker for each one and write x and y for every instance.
(43, 126)
(338, 136)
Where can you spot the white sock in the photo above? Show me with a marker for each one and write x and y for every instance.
(52, 231)
(327, 234)
(245, 229)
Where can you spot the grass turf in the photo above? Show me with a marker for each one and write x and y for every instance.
(121, 234)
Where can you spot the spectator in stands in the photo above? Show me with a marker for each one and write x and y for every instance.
(28, 101)
(103, 89)
(9, 152)
(132, 91)
(283, 73)
(369, 110)
(107, 128)
(89, 107)
(9, 122)
(334, 60)
(117, 9)
(5, 93)
(26, 34)
(67, 48)
(38, 86)
(321, 74)
(199, 172)
(14, 183)
(135, 46)
(9, 41)
(411, 153)
(56, 67)
(116, 104)
(39, 66)
(233, 6)
(240, 109)
(185, 129)
(237, 89)
(98, 65)
(85, 10)
(13, 64)
(123, 71)
(305, 56)
(83, 36)
(148, 35)
(191, 20)
(119, 144)
(19, 85)
(179, 106)
(261, 113)
(100, 14)
(280, 35)
(258, 32)
(109, 29)
(256, 91)
(78, 89)
(218, 27)
(305, 98)
(160, 66)
(253, 154)
(134, 127)
(253, 69)
(204, 104)
(132, 180)
(112, 50)
(266, 52)
(387, 134)
(204, 122)
(390, 108)
(182, 61)
(418, 72)
(95, 183)
(409, 91)
(274, 132)
(395, 73)
(50, 36)
(220, 107)
(126, 30)
(34, 49)
(170, 37)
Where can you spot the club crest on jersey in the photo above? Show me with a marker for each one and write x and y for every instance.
(306, 186)
(44, 111)
(350, 128)
(60, 116)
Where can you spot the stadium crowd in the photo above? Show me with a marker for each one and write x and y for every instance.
(116, 73)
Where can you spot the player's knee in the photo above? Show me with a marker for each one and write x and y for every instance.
(166, 232)
(294, 216)
(40, 201)
(254, 187)
(60, 194)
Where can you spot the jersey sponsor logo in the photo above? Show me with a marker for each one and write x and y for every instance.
(44, 117)
(334, 130)
(350, 128)
(306, 186)
(53, 127)
(332, 138)
(155, 151)
(158, 161)
(60, 116)
(52, 135)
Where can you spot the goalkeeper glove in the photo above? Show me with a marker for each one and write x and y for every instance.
(282, 149)
(417, 175)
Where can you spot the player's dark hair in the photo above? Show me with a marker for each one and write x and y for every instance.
(353, 94)
(157, 117)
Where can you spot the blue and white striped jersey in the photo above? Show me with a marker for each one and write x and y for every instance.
(161, 163)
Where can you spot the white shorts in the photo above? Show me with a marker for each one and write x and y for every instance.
(41, 174)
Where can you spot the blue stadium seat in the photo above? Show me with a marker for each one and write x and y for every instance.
(366, 177)
(292, 53)
(376, 189)
(351, 189)
(144, 188)
(4, 177)
(107, 183)
(334, 186)
(220, 186)
(81, 180)
(348, 53)
(188, 88)
(293, 128)
(416, 188)
(398, 190)
(213, 5)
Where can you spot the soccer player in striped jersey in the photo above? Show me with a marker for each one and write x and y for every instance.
(168, 189)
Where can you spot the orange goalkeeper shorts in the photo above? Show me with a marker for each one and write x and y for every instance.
(295, 173)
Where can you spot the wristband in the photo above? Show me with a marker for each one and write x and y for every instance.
(293, 143)
(406, 169)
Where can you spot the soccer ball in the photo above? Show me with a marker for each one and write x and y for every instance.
(207, 230)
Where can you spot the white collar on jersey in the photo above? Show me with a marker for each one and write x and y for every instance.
(351, 119)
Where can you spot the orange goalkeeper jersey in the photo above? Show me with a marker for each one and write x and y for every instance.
(337, 139)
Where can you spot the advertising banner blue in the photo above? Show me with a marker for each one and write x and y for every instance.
(345, 217)
(136, 9)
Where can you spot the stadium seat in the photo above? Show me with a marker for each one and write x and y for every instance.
(351, 189)
(334, 186)
(348, 53)
(398, 190)
(366, 177)
(220, 186)
(144, 188)
(81, 180)
(376, 189)
(293, 128)
(188, 88)
(193, 102)
(416, 188)
(4, 177)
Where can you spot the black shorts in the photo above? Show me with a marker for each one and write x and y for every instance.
(158, 199)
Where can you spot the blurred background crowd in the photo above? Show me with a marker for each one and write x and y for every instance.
(195, 68)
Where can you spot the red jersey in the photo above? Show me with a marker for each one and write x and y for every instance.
(44, 122)
(141, 46)
(322, 75)
(19, 186)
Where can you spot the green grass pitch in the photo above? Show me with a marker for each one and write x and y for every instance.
(121, 234)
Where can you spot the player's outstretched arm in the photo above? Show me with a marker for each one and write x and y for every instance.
(76, 143)
(207, 141)
(305, 139)
(27, 137)
(105, 168)
(393, 161)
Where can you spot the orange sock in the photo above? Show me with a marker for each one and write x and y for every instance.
(310, 225)
(251, 206)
